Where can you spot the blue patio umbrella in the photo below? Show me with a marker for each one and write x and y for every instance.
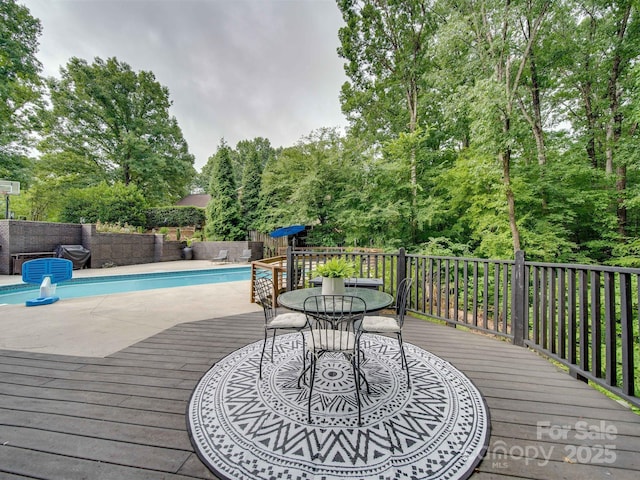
(286, 231)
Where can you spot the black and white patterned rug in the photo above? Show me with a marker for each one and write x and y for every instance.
(244, 427)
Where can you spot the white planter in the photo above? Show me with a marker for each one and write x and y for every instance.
(332, 286)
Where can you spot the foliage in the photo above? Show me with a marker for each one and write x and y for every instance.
(224, 219)
(117, 228)
(115, 121)
(20, 89)
(336, 267)
(476, 128)
(444, 247)
(117, 204)
(176, 216)
(254, 155)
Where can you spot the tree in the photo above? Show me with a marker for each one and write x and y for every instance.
(224, 219)
(20, 88)
(250, 191)
(386, 44)
(118, 204)
(249, 160)
(597, 91)
(109, 117)
(245, 149)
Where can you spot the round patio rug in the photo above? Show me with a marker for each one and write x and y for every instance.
(244, 427)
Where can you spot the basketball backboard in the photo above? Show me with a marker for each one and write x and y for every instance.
(8, 187)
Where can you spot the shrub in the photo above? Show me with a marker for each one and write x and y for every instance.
(175, 217)
(116, 204)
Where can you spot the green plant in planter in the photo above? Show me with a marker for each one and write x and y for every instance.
(336, 267)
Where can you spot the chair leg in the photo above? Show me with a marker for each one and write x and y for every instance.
(313, 361)
(273, 342)
(264, 346)
(304, 353)
(356, 380)
(405, 364)
(361, 376)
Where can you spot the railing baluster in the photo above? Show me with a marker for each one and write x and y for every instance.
(475, 293)
(431, 286)
(552, 311)
(439, 286)
(596, 326)
(456, 289)
(447, 273)
(572, 317)
(544, 325)
(536, 305)
(465, 303)
(505, 300)
(496, 300)
(562, 317)
(611, 354)
(423, 278)
(485, 296)
(626, 321)
(584, 320)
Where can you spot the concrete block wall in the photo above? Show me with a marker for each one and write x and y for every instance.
(17, 236)
(22, 236)
(107, 249)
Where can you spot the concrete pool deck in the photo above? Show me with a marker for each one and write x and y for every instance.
(102, 325)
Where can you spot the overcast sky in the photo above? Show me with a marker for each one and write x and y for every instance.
(235, 69)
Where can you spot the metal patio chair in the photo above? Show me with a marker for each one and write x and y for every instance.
(263, 294)
(392, 325)
(335, 327)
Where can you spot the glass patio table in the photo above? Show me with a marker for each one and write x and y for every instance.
(374, 299)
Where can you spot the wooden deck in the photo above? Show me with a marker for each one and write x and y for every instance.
(123, 417)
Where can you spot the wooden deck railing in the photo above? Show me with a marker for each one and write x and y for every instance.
(274, 268)
(586, 317)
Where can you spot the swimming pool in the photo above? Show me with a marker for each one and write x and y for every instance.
(104, 285)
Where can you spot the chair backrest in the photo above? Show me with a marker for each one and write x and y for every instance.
(402, 297)
(335, 320)
(246, 253)
(223, 253)
(263, 295)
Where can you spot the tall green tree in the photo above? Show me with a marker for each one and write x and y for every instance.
(20, 88)
(116, 122)
(224, 217)
(249, 160)
(250, 191)
(600, 46)
(386, 45)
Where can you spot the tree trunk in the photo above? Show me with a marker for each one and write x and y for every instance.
(614, 124)
(505, 159)
(412, 103)
(621, 186)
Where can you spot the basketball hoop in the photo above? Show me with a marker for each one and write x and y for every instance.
(8, 188)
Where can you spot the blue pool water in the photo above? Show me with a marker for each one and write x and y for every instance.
(90, 286)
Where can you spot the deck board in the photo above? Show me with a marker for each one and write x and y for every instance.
(66, 417)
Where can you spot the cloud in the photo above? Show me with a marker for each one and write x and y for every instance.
(235, 69)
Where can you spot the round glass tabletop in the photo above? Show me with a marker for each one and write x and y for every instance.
(374, 299)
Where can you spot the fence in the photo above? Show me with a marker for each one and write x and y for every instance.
(585, 317)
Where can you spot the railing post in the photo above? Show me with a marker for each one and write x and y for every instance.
(253, 282)
(401, 268)
(518, 295)
(289, 268)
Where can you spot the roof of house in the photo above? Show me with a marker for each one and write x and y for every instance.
(194, 200)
